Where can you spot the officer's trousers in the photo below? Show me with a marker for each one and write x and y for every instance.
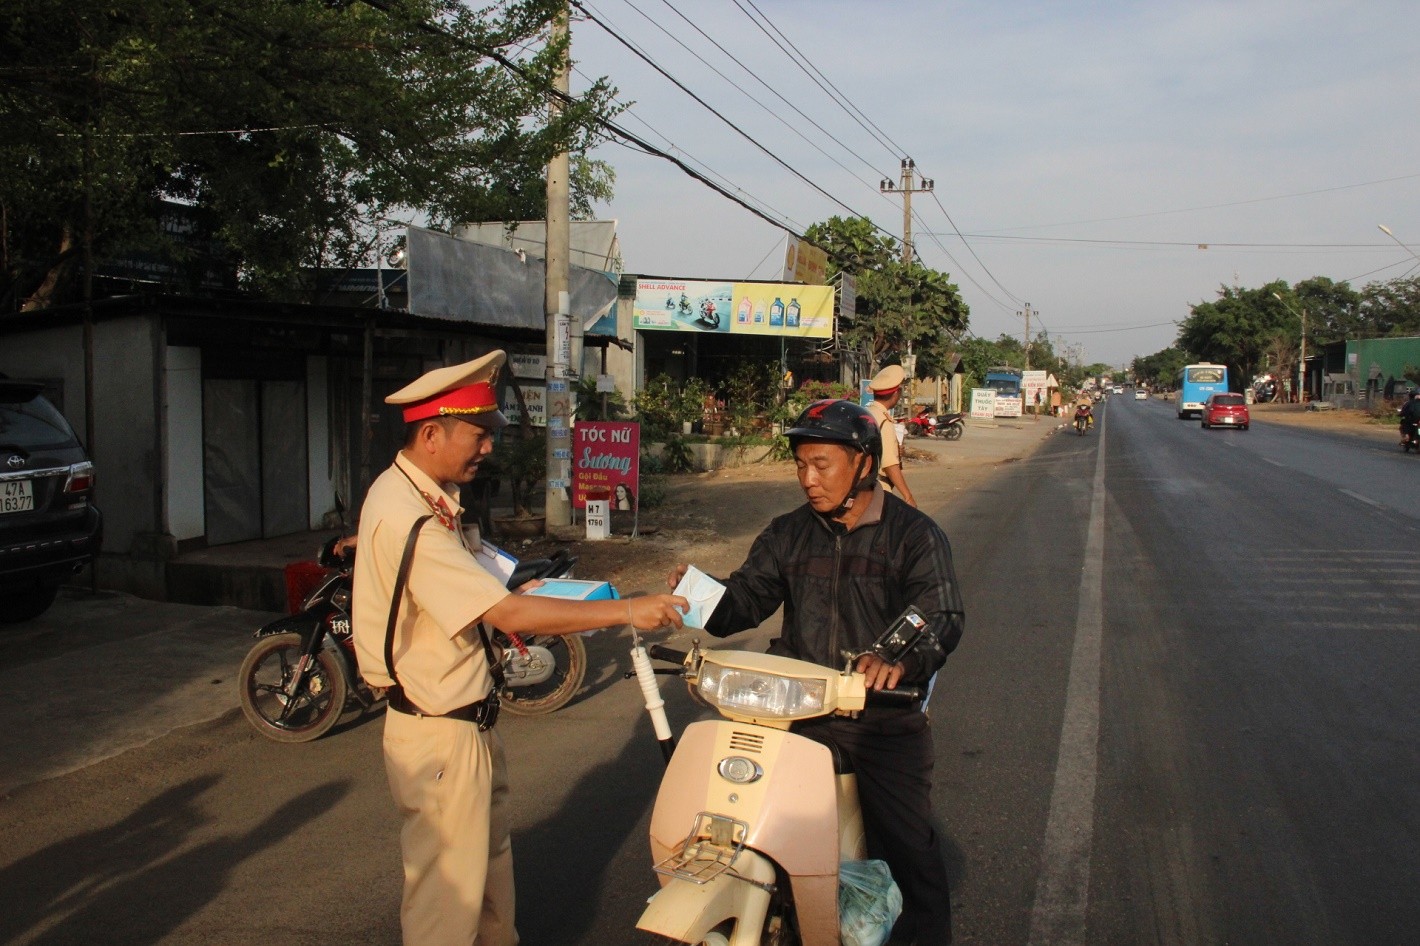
(450, 784)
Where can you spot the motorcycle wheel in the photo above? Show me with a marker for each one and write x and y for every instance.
(266, 672)
(556, 691)
(950, 432)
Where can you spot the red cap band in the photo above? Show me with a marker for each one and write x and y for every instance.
(886, 392)
(471, 399)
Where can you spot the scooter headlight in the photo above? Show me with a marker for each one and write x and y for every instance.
(764, 695)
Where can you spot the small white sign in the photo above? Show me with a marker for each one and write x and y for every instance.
(606, 384)
(528, 366)
(1008, 407)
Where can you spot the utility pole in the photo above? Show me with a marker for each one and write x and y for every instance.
(907, 188)
(557, 501)
(909, 184)
(1027, 313)
(1302, 358)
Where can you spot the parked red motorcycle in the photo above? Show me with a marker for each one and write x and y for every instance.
(946, 426)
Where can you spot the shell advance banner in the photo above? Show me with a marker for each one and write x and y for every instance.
(743, 308)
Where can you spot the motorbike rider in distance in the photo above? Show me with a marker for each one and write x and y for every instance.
(1085, 411)
(844, 566)
(1410, 416)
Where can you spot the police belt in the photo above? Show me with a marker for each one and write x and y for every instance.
(484, 713)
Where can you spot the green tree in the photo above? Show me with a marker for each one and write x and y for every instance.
(1333, 309)
(1162, 368)
(899, 305)
(1240, 328)
(289, 128)
(1389, 308)
(980, 354)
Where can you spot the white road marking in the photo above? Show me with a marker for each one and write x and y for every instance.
(1359, 498)
(1062, 891)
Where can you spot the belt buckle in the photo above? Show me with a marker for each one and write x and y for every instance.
(488, 712)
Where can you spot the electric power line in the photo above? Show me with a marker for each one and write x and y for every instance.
(711, 109)
(799, 59)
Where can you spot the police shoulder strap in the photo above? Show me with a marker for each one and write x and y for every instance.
(495, 669)
(395, 599)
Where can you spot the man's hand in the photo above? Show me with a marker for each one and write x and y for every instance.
(675, 575)
(879, 674)
(653, 611)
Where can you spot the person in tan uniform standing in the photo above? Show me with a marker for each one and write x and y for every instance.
(418, 633)
(887, 390)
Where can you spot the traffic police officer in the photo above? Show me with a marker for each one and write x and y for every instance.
(442, 756)
(887, 391)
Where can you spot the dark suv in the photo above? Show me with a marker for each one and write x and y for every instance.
(48, 527)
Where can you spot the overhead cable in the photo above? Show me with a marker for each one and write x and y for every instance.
(712, 110)
(777, 94)
(799, 59)
(605, 123)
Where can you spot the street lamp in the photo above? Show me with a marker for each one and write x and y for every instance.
(1302, 359)
(1386, 230)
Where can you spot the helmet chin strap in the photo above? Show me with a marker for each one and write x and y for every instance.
(847, 502)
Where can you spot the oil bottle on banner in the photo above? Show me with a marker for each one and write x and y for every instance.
(759, 313)
(776, 313)
(742, 316)
(792, 318)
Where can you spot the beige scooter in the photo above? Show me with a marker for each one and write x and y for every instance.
(751, 820)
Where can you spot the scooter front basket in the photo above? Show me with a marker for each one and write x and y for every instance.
(711, 848)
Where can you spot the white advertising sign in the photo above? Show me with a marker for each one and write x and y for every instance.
(983, 402)
(1008, 407)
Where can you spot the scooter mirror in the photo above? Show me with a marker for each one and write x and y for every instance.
(902, 636)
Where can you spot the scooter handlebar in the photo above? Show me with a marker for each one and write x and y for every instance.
(668, 654)
(902, 696)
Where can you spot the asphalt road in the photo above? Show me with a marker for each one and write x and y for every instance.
(1224, 737)
(1182, 713)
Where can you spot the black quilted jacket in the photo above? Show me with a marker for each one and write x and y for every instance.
(841, 590)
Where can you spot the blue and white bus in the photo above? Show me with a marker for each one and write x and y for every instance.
(1196, 383)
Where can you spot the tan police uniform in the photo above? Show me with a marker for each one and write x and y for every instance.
(887, 380)
(448, 778)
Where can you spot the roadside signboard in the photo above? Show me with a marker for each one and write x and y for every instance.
(739, 308)
(983, 402)
(606, 458)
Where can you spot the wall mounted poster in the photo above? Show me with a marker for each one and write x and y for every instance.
(748, 308)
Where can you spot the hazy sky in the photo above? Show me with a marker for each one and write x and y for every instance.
(1085, 150)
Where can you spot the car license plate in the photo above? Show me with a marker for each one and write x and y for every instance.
(16, 496)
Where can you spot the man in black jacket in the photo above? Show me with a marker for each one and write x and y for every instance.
(844, 566)
(1410, 417)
